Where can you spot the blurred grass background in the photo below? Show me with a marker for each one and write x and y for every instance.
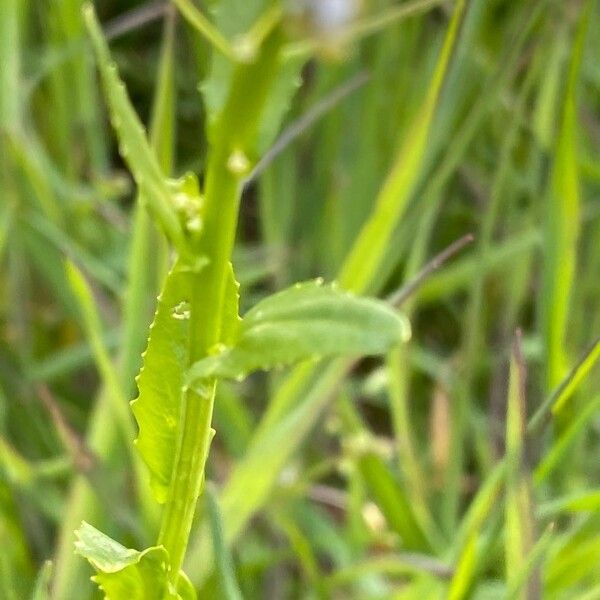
(413, 478)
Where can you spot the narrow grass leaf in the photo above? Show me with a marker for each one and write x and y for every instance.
(568, 386)
(391, 564)
(162, 121)
(225, 568)
(574, 564)
(553, 457)
(460, 274)
(518, 532)
(361, 265)
(481, 506)
(249, 486)
(393, 502)
(411, 467)
(94, 331)
(66, 245)
(579, 502)
(305, 554)
(33, 163)
(460, 584)
(575, 377)
(10, 45)
(563, 222)
(519, 581)
(547, 104)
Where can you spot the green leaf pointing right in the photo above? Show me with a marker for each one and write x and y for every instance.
(308, 320)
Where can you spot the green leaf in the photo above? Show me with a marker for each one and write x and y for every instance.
(526, 571)
(133, 143)
(10, 106)
(518, 513)
(573, 561)
(308, 320)
(123, 573)
(563, 221)
(465, 570)
(93, 327)
(160, 381)
(368, 251)
(573, 380)
(225, 567)
(482, 505)
(568, 386)
(393, 501)
(588, 500)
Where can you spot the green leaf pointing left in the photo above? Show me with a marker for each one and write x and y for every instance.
(160, 381)
(123, 573)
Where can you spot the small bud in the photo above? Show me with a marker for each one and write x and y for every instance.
(194, 225)
(373, 517)
(244, 48)
(238, 163)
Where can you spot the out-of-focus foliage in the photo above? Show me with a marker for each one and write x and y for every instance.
(407, 126)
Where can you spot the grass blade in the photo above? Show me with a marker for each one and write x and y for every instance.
(567, 386)
(94, 332)
(224, 562)
(518, 585)
(563, 222)
(361, 265)
(518, 515)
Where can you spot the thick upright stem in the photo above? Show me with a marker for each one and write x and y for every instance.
(233, 137)
(223, 195)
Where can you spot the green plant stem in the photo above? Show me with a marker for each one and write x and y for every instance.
(234, 135)
(223, 195)
(188, 474)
